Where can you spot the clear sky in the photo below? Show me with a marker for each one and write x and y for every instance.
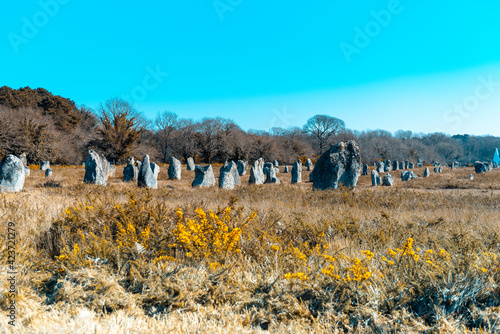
(417, 65)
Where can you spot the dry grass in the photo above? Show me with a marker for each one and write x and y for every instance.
(421, 256)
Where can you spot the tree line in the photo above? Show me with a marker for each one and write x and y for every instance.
(50, 127)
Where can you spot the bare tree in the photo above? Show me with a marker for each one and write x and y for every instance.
(167, 123)
(322, 128)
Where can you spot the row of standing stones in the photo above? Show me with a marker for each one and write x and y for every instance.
(341, 165)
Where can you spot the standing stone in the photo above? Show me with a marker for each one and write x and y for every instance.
(257, 172)
(308, 162)
(24, 159)
(48, 172)
(387, 166)
(130, 172)
(12, 174)
(341, 165)
(190, 164)
(27, 171)
(388, 180)
(407, 164)
(426, 172)
(365, 169)
(44, 165)
(267, 168)
(376, 179)
(286, 169)
(471, 177)
(310, 167)
(146, 177)
(106, 167)
(401, 165)
(242, 167)
(380, 167)
(276, 163)
(440, 169)
(408, 175)
(395, 165)
(411, 165)
(174, 170)
(436, 170)
(204, 177)
(226, 177)
(155, 169)
(94, 173)
(233, 168)
(271, 177)
(297, 172)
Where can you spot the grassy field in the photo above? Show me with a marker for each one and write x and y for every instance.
(421, 256)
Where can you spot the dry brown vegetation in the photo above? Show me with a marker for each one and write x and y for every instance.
(421, 256)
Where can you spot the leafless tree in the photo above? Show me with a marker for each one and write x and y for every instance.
(322, 128)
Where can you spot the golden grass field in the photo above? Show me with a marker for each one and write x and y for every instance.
(421, 256)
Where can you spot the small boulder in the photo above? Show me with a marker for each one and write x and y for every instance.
(388, 180)
(408, 175)
(48, 172)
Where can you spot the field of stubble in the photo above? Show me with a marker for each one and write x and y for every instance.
(421, 256)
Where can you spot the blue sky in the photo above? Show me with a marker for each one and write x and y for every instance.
(411, 64)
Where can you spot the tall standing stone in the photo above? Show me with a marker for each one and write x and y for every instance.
(440, 169)
(380, 167)
(242, 167)
(395, 165)
(233, 168)
(387, 166)
(365, 169)
(407, 164)
(411, 165)
(106, 167)
(190, 164)
(426, 172)
(341, 165)
(94, 173)
(174, 170)
(401, 165)
(286, 170)
(48, 172)
(257, 172)
(146, 177)
(130, 172)
(12, 174)
(276, 163)
(226, 177)
(155, 169)
(376, 179)
(204, 177)
(297, 172)
(44, 165)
